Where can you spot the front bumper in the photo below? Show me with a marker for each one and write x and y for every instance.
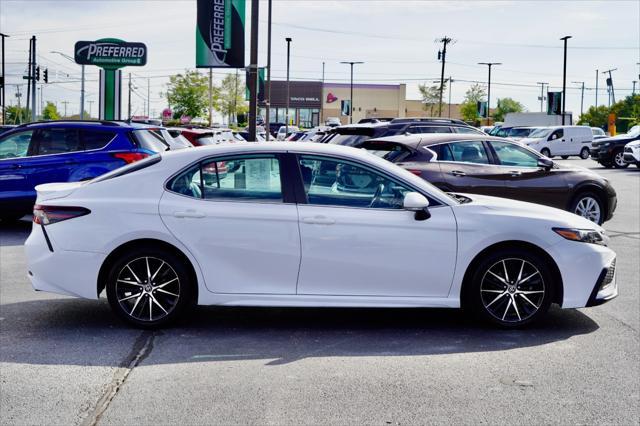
(606, 287)
(631, 156)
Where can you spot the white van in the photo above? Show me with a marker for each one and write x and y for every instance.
(561, 140)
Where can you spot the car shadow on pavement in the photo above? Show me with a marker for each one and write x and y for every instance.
(81, 332)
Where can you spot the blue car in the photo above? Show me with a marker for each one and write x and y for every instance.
(59, 151)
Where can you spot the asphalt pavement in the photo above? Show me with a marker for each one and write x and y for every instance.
(70, 361)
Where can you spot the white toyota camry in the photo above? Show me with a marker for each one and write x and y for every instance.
(279, 224)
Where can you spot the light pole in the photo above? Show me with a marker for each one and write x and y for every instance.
(541, 83)
(351, 63)
(81, 81)
(4, 83)
(564, 78)
(581, 96)
(288, 40)
(489, 64)
(268, 88)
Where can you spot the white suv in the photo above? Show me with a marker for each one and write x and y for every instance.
(632, 153)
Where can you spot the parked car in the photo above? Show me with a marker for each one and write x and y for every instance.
(295, 136)
(260, 137)
(374, 120)
(632, 153)
(499, 167)
(178, 137)
(6, 128)
(609, 152)
(174, 142)
(598, 133)
(561, 140)
(398, 243)
(65, 151)
(286, 131)
(332, 122)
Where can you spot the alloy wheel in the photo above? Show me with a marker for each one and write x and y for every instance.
(584, 154)
(512, 290)
(589, 208)
(618, 159)
(147, 289)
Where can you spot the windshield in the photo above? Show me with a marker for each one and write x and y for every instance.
(633, 132)
(520, 133)
(540, 133)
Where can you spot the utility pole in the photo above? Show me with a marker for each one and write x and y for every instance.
(612, 93)
(210, 97)
(286, 132)
(351, 63)
(129, 112)
(33, 80)
(19, 114)
(253, 70)
(28, 78)
(581, 96)
(65, 107)
(450, 84)
(148, 97)
(489, 64)
(3, 83)
(267, 97)
(596, 89)
(90, 104)
(443, 57)
(322, 101)
(633, 93)
(564, 78)
(542, 94)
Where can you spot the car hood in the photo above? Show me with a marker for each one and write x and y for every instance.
(620, 139)
(529, 211)
(634, 143)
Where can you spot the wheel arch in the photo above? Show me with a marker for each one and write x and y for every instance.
(144, 242)
(505, 245)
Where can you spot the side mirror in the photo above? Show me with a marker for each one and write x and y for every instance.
(545, 163)
(418, 203)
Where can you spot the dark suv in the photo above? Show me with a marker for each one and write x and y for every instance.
(66, 151)
(354, 134)
(609, 152)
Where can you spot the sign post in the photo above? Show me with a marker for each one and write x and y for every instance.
(110, 54)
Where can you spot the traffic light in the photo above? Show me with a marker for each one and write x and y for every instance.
(45, 75)
(38, 73)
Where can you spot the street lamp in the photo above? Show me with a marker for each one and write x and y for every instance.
(351, 63)
(489, 64)
(81, 83)
(564, 78)
(288, 39)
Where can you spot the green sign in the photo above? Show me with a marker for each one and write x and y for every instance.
(554, 103)
(220, 34)
(261, 83)
(110, 53)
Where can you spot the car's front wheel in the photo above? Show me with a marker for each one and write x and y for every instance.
(589, 206)
(618, 160)
(511, 288)
(149, 287)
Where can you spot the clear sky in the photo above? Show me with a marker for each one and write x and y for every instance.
(395, 39)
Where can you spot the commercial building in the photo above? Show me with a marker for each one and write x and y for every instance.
(312, 102)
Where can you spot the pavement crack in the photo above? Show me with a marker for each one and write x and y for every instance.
(141, 349)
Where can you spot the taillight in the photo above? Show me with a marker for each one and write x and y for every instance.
(416, 172)
(46, 215)
(130, 157)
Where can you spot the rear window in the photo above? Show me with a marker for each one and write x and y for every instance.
(389, 151)
(129, 168)
(149, 140)
(96, 139)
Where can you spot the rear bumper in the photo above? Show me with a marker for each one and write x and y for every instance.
(51, 269)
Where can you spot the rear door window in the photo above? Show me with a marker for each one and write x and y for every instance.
(96, 139)
(57, 141)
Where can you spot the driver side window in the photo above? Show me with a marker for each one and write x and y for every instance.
(558, 134)
(16, 145)
(339, 183)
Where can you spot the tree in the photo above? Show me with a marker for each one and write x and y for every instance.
(469, 108)
(231, 98)
(188, 94)
(17, 115)
(595, 117)
(627, 113)
(431, 97)
(50, 112)
(505, 106)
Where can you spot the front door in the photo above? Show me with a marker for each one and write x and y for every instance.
(16, 195)
(358, 241)
(525, 181)
(466, 167)
(231, 215)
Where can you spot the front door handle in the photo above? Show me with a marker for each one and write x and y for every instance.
(458, 173)
(515, 173)
(318, 220)
(192, 214)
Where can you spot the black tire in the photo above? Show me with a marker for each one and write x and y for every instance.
(564, 157)
(618, 160)
(546, 152)
(164, 266)
(607, 165)
(490, 299)
(583, 197)
(584, 153)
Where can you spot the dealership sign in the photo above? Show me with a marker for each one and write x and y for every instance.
(110, 53)
(220, 34)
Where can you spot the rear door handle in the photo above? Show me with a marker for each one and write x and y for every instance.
(318, 220)
(458, 173)
(189, 214)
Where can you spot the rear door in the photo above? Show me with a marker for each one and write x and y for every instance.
(524, 180)
(467, 166)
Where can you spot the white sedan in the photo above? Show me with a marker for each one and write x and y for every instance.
(276, 224)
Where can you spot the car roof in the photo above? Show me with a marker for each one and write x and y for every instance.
(413, 140)
(431, 120)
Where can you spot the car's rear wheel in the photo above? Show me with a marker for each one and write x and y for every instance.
(511, 288)
(546, 152)
(149, 287)
(589, 206)
(584, 153)
(618, 160)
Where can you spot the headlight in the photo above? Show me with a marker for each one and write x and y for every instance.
(606, 144)
(582, 235)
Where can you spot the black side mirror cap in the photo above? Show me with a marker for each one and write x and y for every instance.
(423, 214)
(545, 163)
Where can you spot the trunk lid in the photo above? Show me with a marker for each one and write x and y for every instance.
(52, 191)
